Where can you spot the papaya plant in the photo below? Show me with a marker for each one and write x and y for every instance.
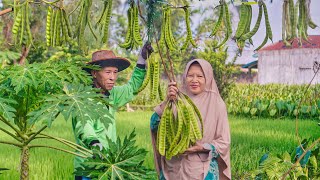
(123, 160)
(33, 96)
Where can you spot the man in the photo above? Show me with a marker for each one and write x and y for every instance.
(94, 133)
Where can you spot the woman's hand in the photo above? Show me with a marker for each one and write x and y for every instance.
(172, 91)
(196, 148)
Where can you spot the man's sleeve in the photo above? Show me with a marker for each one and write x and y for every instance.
(121, 95)
(86, 133)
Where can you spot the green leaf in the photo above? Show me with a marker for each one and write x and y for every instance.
(123, 160)
(314, 164)
(3, 169)
(253, 111)
(76, 101)
(23, 76)
(272, 112)
(6, 110)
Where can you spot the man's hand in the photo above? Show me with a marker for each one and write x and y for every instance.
(98, 145)
(146, 50)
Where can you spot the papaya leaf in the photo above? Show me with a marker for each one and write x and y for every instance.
(123, 160)
(6, 110)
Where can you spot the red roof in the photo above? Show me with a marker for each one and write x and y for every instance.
(314, 42)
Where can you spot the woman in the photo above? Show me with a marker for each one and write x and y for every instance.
(209, 158)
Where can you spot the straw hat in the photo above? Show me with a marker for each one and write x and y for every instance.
(105, 58)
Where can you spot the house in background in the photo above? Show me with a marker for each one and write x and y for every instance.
(290, 65)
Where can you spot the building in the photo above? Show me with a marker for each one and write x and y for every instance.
(290, 65)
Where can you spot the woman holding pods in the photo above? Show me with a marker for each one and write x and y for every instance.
(209, 157)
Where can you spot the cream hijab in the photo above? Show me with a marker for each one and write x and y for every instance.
(214, 114)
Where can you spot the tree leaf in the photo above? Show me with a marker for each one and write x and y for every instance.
(7, 111)
(123, 160)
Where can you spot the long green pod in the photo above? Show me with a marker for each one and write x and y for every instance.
(28, 26)
(288, 21)
(218, 23)
(145, 82)
(267, 22)
(151, 66)
(136, 31)
(189, 38)
(57, 29)
(53, 20)
(107, 22)
(176, 146)
(169, 29)
(229, 27)
(284, 37)
(178, 134)
(17, 23)
(292, 18)
(256, 26)
(23, 22)
(244, 13)
(156, 77)
(196, 110)
(295, 19)
(162, 132)
(248, 27)
(128, 38)
(48, 26)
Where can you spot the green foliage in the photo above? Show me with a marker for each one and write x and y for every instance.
(39, 93)
(3, 169)
(42, 91)
(222, 70)
(262, 101)
(274, 167)
(8, 57)
(274, 136)
(123, 160)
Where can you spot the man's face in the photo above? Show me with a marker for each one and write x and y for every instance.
(106, 77)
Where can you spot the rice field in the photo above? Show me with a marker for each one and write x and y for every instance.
(251, 138)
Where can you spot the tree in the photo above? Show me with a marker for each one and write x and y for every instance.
(39, 93)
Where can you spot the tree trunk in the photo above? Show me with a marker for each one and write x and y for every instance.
(24, 54)
(24, 171)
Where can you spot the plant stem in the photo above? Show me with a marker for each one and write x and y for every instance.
(35, 134)
(3, 12)
(11, 143)
(59, 149)
(163, 63)
(297, 116)
(140, 12)
(68, 143)
(10, 125)
(298, 161)
(10, 134)
(171, 65)
(24, 163)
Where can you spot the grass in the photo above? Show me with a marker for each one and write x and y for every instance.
(251, 138)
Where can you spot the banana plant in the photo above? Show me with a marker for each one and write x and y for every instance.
(34, 95)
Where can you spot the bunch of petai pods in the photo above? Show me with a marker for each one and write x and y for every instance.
(180, 127)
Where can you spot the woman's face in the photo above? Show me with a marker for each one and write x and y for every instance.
(196, 82)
